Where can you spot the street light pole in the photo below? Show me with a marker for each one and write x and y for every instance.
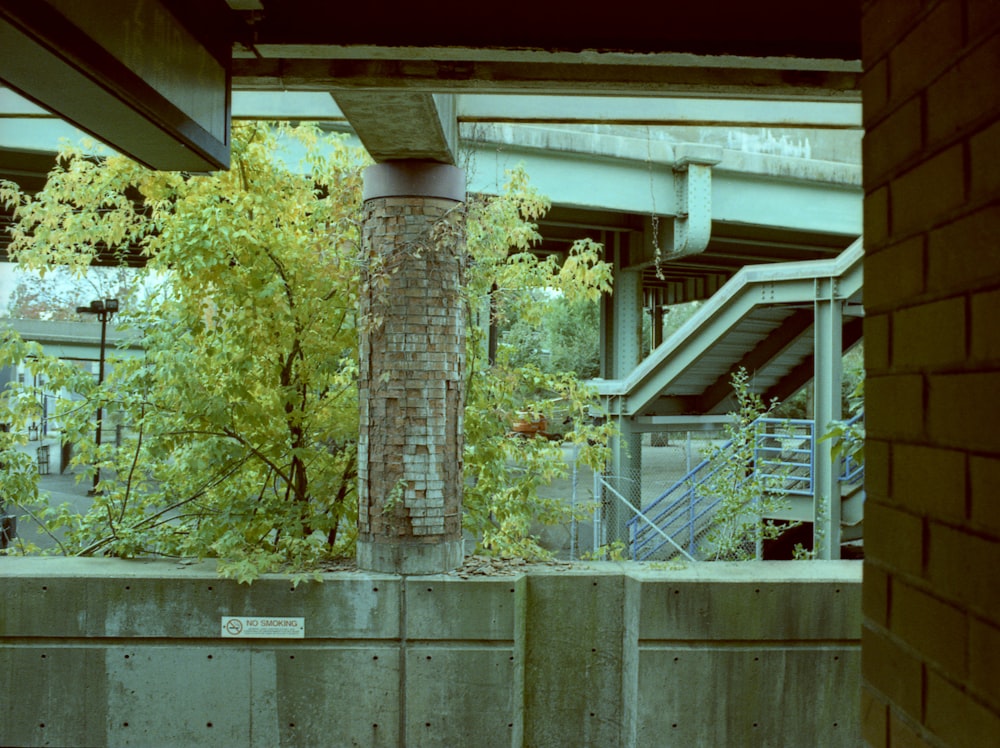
(103, 309)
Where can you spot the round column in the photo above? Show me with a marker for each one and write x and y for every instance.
(411, 382)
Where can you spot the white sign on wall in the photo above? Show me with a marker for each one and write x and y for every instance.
(263, 627)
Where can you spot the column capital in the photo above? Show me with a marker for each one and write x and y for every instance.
(414, 179)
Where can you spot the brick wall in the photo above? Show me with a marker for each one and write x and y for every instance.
(931, 642)
(412, 365)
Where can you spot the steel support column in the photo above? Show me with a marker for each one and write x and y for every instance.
(624, 335)
(828, 347)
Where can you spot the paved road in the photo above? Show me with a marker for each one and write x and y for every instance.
(63, 487)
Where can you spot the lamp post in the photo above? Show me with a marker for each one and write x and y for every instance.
(103, 309)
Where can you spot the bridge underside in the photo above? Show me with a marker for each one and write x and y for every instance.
(701, 139)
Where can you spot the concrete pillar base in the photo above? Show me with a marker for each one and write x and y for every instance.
(410, 558)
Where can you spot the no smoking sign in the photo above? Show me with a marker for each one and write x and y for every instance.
(263, 627)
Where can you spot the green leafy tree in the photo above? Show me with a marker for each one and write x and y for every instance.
(242, 415)
(746, 494)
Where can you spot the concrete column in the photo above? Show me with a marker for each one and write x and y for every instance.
(411, 383)
(828, 362)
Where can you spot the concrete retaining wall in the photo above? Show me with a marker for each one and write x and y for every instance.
(100, 652)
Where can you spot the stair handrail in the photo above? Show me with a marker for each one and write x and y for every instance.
(686, 499)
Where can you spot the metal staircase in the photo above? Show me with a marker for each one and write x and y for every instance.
(762, 320)
(784, 460)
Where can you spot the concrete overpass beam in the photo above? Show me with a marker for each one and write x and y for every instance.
(131, 73)
(394, 125)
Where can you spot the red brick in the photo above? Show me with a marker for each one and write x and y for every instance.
(891, 670)
(937, 630)
(957, 718)
(894, 406)
(929, 336)
(965, 94)
(894, 539)
(965, 569)
(878, 467)
(883, 24)
(929, 481)
(904, 734)
(874, 92)
(982, 17)
(895, 275)
(876, 216)
(887, 146)
(925, 196)
(984, 660)
(875, 595)
(985, 155)
(964, 254)
(874, 719)
(963, 410)
(984, 475)
(927, 50)
(877, 342)
(985, 330)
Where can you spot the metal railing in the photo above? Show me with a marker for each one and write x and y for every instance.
(783, 459)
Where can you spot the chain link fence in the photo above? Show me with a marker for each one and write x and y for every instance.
(612, 499)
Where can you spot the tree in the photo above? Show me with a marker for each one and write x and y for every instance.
(55, 293)
(242, 415)
(746, 493)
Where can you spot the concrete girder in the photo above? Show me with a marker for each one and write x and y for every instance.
(397, 125)
(132, 74)
(599, 75)
(636, 175)
(663, 111)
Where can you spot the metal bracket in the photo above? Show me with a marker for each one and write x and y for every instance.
(693, 185)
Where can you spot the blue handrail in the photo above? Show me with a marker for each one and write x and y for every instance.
(784, 450)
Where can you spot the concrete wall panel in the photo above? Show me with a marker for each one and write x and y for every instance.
(108, 653)
(728, 695)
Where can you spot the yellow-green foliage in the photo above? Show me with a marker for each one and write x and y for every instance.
(242, 417)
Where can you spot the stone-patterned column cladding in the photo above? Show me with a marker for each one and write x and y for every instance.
(411, 380)
(931, 642)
